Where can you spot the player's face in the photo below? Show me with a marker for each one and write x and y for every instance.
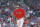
(18, 6)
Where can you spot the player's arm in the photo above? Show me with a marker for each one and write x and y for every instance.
(24, 17)
(24, 14)
(14, 13)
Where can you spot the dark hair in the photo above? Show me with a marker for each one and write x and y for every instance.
(18, 4)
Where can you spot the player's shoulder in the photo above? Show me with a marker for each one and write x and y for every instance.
(16, 9)
(22, 9)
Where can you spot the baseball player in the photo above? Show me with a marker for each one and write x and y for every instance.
(20, 15)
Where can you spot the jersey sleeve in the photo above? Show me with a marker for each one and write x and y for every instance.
(23, 12)
(14, 13)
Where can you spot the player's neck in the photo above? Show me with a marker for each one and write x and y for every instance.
(18, 8)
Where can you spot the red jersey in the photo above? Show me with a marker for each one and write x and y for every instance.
(0, 19)
(19, 13)
(26, 22)
(12, 19)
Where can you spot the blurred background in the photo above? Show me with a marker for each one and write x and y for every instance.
(31, 7)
